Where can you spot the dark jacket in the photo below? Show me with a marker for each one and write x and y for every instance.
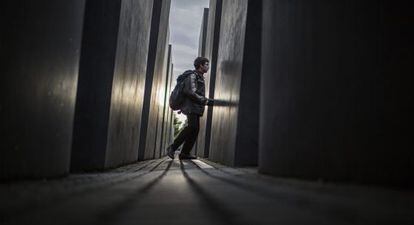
(194, 89)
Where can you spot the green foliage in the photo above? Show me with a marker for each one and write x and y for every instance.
(177, 126)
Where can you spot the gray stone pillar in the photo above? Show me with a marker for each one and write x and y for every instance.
(202, 51)
(111, 83)
(335, 90)
(234, 129)
(150, 138)
(166, 127)
(170, 130)
(203, 34)
(211, 51)
(40, 49)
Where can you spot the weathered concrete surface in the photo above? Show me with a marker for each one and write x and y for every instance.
(234, 129)
(154, 99)
(111, 83)
(159, 191)
(334, 91)
(152, 55)
(202, 42)
(211, 51)
(129, 82)
(203, 34)
(99, 42)
(166, 138)
(40, 49)
(161, 99)
(170, 131)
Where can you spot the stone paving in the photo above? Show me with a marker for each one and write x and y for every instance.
(166, 191)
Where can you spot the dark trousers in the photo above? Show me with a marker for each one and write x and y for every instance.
(188, 135)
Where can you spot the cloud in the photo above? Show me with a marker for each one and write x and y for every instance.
(181, 38)
(185, 4)
(183, 58)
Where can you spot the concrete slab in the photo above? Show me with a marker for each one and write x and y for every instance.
(211, 52)
(199, 147)
(150, 138)
(234, 129)
(40, 51)
(111, 84)
(129, 82)
(166, 121)
(332, 86)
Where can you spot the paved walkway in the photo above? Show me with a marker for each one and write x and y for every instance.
(197, 192)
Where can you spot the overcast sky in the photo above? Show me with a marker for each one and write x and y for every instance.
(185, 25)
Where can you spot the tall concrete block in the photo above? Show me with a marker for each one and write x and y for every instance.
(211, 50)
(111, 83)
(234, 129)
(166, 122)
(203, 34)
(40, 50)
(161, 97)
(334, 91)
(129, 82)
(156, 72)
(170, 127)
(152, 54)
(199, 146)
(170, 130)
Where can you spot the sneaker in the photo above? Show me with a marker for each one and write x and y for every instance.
(186, 156)
(170, 152)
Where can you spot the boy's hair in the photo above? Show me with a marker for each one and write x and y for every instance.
(200, 61)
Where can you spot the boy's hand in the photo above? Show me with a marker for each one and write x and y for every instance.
(210, 102)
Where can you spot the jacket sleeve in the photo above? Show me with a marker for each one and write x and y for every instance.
(190, 88)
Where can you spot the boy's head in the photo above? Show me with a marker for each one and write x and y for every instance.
(201, 64)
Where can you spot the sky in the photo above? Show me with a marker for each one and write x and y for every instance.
(185, 24)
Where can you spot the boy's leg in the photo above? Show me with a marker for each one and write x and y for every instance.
(191, 136)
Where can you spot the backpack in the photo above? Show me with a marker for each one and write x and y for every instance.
(177, 96)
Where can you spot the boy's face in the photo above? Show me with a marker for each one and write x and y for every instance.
(204, 68)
